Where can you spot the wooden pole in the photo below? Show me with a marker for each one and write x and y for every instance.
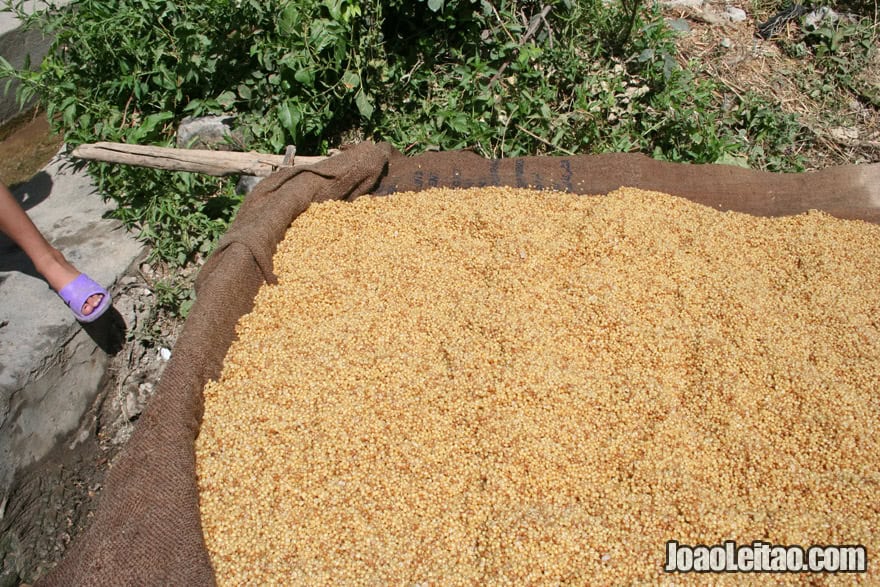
(219, 163)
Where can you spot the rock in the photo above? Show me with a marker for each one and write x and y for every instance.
(735, 14)
(136, 399)
(820, 16)
(683, 3)
(51, 405)
(207, 132)
(726, 43)
(51, 367)
(709, 16)
(246, 183)
(132, 406)
(679, 25)
(844, 134)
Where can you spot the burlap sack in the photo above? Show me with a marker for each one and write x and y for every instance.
(147, 530)
(846, 192)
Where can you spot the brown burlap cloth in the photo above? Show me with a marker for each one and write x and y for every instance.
(146, 530)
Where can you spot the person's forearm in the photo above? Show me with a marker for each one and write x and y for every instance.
(18, 226)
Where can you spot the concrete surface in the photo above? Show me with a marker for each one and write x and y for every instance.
(51, 366)
(15, 45)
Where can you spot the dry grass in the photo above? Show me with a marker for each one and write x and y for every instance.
(845, 130)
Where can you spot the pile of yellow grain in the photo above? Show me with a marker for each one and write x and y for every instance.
(509, 386)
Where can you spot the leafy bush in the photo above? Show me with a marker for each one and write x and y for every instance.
(504, 77)
(843, 49)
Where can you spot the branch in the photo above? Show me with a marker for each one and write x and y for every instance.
(545, 141)
(533, 28)
(218, 163)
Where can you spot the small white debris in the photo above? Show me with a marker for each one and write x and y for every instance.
(133, 406)
(735, 14)
(844, 134)
(679, 25)
(164, 354)
(821, 16)
(683, 3)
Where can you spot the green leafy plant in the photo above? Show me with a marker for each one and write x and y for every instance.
(769, 139)
(172, 296)
(127, 71)
(843, 48)
(503, 77)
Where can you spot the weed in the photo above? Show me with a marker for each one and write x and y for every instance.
(768, 138)
(843, 47)
(174, 297)
(503, 77)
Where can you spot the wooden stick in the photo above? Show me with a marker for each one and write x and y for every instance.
(545, 141)
(219, 163)
(536, 24)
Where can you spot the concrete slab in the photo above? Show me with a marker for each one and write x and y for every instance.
(16, 45)
(9, 22)
(51, 366)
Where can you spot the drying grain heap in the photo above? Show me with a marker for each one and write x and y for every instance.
(519, 387)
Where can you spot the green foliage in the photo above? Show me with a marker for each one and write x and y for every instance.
(836, 51)
(129, 71)
(174, 297)
(582, 87)
(843, 49)
(499, 76)
(768, 139)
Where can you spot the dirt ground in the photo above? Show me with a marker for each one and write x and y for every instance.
(54, 500)
(846, 128)
(26, 145)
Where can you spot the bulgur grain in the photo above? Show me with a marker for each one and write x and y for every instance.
(518, 387)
